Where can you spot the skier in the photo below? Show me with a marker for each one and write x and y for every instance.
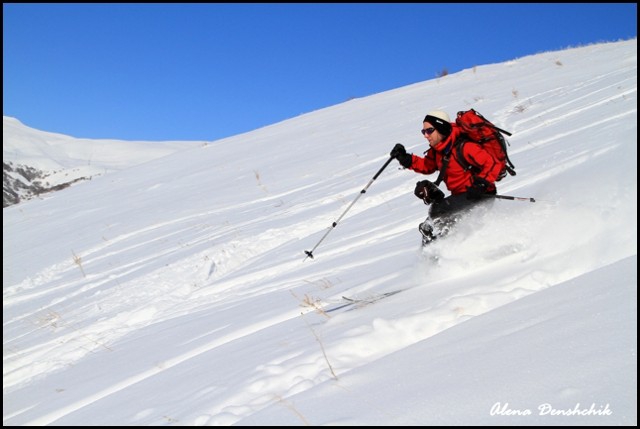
(468, 187)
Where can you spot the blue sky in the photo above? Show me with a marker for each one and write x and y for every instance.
(208, 71)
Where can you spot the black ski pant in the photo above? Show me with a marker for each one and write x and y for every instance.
(444, 214)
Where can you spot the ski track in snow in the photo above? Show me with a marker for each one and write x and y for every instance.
(450, 305)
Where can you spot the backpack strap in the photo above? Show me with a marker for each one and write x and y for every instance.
(459, 146)
(445, 164)
(503, 142)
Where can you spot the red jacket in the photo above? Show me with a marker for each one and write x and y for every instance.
(456, 177)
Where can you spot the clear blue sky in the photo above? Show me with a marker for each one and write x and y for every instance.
(207, 71)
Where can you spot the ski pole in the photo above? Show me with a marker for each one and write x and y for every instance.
(508, 197)
(309, 253)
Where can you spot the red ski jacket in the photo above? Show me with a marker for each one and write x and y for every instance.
(456, 177)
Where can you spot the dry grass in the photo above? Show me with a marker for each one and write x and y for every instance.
(78, 261)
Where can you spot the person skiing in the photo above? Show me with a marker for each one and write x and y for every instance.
(468, 187)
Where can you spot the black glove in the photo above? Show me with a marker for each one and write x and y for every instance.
(400, 153)
(428, 192)
(478, 188)
(398, 150)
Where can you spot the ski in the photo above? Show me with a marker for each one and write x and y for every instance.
(370, 299)
(351, 303)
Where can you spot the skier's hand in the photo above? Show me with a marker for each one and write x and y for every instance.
(478, 188)
(428, 192)
(400, 153)
(398, 150)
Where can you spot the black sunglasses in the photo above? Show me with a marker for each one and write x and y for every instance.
(428, 131)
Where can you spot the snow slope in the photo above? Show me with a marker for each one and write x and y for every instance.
(175, 292)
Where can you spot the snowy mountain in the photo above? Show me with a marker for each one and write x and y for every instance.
(176, 291)
(37, 162)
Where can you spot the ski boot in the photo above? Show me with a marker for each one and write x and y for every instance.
(426, 230)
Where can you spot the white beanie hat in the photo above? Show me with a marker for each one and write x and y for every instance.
(440, 115)
(440, 121)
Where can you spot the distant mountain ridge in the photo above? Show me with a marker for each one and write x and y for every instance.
(37, 162)
(21, 182)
